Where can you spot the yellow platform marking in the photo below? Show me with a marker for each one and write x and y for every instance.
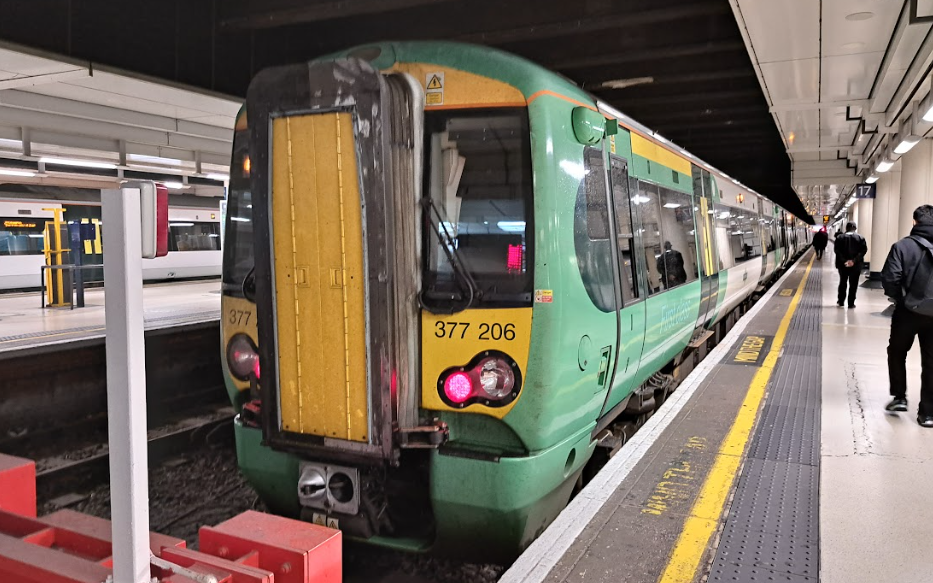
(703, 519)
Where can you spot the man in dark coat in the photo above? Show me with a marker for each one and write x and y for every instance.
(820, 238)
(671, 264)
(850, 250)
(899, 268)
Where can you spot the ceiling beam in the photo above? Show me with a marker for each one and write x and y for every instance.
(815, 106)
(318, 12)
(35, 80)
(579, 26)
(651, 54)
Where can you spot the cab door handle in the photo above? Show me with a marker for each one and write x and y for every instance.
(602, 375)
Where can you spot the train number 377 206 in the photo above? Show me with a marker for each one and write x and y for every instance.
(483, 331)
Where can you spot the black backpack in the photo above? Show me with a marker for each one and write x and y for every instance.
(919, 296)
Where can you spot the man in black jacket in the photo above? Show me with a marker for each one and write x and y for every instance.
(850, 250)
(899, 268)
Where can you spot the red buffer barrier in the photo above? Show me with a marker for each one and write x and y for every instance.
(69, 547)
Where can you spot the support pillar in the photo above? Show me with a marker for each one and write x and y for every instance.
(865, 212)
(126, 386)
(916, 181)
(884, 220)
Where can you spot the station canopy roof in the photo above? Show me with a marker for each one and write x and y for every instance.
(841, 79)
(680, 67)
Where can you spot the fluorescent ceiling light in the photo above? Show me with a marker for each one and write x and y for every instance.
(871, 179)
(884, 165)
(928, 116)
(175, 185)
(639, 199)
(623, 83)
(239, 219)
(906, 144)
(672, 205)
(9, 172)
(220, 177)
(81, 163)
(181, 224)
(512, 226)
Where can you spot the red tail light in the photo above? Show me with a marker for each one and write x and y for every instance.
(458, 387)
(491, 378)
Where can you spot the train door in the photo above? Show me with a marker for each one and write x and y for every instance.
(632, 309)
(706, 239)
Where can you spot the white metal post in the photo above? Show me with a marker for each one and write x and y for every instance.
(126, 385)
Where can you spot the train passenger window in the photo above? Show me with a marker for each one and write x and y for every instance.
(591, 239)
(21, 236)
(737, 234)
(678, 259)
(645, 201)
(191, 236)
(624, 231)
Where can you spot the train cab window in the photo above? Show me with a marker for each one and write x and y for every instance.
(21, 236)
(678, 259)
(191, 236)
(648, 210)
(478, 181)
(591, 235)
(238, 233)
(624, 227)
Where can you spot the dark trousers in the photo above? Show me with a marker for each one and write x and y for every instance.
(848, 275)
(904, 326)
(819, 252)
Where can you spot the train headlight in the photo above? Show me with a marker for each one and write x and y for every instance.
(496, 377)
(242, 357)
(492, 378)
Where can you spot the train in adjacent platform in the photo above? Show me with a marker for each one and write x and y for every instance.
(194, 240)
(454, 283)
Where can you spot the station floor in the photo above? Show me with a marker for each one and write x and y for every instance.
(773, 461)
(24, 325)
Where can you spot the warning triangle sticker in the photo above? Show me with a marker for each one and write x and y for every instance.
(435, 83)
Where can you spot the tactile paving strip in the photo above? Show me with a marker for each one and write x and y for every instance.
(771, 533)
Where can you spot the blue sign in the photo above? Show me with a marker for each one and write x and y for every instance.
(865, 191)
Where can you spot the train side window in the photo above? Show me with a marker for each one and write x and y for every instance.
(191, 236)
(591, 232)
(19, 236)
(678, 254)
(648, 210)
(738, 234)
(626, 238)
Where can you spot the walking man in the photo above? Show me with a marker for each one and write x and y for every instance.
(850, 250)
(820, 238)
(906, 279)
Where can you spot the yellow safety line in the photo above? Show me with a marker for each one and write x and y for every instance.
(703, 519)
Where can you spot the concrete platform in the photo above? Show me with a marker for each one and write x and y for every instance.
(783, 469)
(24, 325)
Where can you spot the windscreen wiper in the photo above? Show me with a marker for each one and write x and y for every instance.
(249, 285)
(467, 284)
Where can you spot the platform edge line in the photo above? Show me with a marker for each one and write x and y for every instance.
(703, 518)
(539, 559)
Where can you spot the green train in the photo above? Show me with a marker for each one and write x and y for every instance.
(454, 283)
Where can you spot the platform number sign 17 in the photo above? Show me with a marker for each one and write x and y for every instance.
(865, 191)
